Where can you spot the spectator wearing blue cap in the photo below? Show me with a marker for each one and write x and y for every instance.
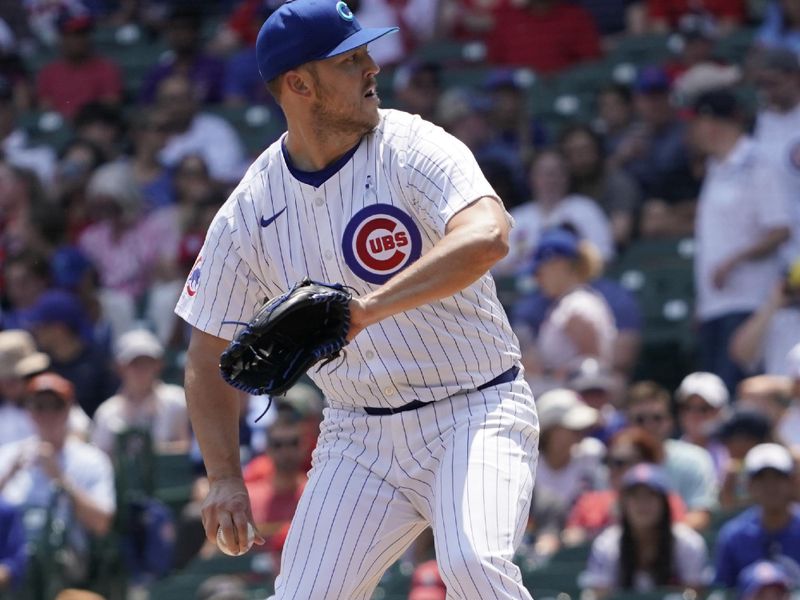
(765, 580)
(781, 26)
(654, 152)
(579, 324)
(646, 550)
(738, 239)
(60, 326)
(768, 530)
(26, 276)
(553, 205)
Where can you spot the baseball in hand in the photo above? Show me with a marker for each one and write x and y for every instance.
(222, 543)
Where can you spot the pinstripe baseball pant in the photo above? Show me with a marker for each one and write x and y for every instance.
(464, 466)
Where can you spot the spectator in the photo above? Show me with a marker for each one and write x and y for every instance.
(103, 125)
(740, 431)
(149, 135)
(427, 583)
(205, 73)
(13, 548)
(765, 580)
(14, 145)
(274, 498)
(195, 132)
(665, 15)
(781, 26)
(59, 325)
(23, 210)
(777, 75)
(596, 510)
(647, 550)
(698, 34)
(109, 312)
(690, 468)
(702, 400)
(768, 394)
(654, 150)
(789, 426)
(546, 35)
(80, 76)
(418, 88)
(15, 346)
(599, 388)
(768, 530)
(616, 18)
(78, 160)
(615, 115)
(569, 462)
(553, 206)
(762, 342)
(579, 324)
(737, 239)
(13, 69)
(614, 190)
(125, 244)
(143, 400)
(52, 462)
(26, 276)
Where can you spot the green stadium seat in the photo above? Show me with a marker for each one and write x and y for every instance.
(561, 577)
(46, 128)
(257, 126)
(641, 50)
(173, 477)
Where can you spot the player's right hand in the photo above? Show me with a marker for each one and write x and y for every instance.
(228, 506)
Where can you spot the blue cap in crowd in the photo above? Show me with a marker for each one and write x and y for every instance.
(56, 306)
(302, 31)
(68, 266)
(554, 243)
(652, 80)
(760, 575)
(647, 475)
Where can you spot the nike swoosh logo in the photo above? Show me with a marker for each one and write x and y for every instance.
(268, 222)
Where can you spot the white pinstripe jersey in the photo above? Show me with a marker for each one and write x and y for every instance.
(387, 205)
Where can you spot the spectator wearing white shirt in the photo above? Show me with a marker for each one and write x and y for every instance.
(553, 206)
(200, 133)
(777, 129)
(144, 401)
(741, 224)
(14, 146)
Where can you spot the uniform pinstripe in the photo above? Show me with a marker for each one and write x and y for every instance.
(463, 464)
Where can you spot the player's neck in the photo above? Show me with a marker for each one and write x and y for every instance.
(311, 154)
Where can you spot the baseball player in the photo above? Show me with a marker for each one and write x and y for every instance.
(429, 420)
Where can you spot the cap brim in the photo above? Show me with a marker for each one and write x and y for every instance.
(360, 38)
(580, 417)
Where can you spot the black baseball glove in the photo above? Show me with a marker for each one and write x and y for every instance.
(286, 337)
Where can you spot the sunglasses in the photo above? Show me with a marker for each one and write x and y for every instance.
(645, 418)
(45, 405)
(703, 409)
(617, 462)
(287, 443)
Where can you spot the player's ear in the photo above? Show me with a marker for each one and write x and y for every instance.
(298, 83)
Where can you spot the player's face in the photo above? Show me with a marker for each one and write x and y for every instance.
(346, 98)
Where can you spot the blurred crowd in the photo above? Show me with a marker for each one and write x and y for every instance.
(687, 486)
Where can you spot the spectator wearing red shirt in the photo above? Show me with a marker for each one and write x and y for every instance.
(546, 35)
(275, 495)
(79, 76)
(664, 15)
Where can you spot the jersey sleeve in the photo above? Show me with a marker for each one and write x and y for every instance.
(443, 176)
(221, 290)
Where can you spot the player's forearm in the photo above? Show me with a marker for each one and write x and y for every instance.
(213, 410)
(454, 262)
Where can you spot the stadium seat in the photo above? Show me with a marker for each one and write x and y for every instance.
(561, 577)
(173, 477)
(256, 125)
(46, 128)
(641, 50)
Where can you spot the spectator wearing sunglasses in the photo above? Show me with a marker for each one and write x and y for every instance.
(702, 400)
(688, 466)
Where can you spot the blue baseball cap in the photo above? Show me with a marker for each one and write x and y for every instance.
(652, 80)
(648, 475)
(554, 243)
(762, 574)
(56, 306)
(301, 31)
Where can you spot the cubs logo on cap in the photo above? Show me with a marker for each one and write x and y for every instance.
(301, 31)
(380, 241)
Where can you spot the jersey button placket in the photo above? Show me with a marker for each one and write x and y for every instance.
(319, 201)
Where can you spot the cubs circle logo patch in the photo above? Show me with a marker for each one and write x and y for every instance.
(379, 241)
(193, 282)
